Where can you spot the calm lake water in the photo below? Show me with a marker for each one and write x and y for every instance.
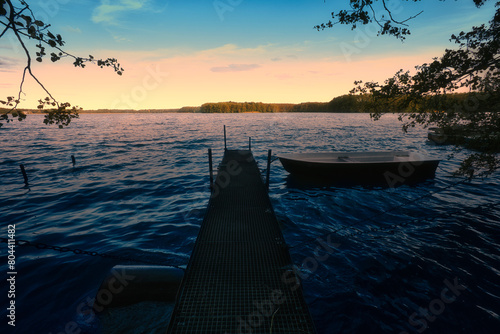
(416, 259)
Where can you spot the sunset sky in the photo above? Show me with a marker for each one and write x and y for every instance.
(185, 53)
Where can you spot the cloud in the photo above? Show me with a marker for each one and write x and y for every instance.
(235, 68)
(7, 64)
(108, 10)
(120, 39)
(72, 29)
(288, 57)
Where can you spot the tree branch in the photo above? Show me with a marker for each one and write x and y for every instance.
(399, 22)
(375, 16)
(7, 26)
(28, 58)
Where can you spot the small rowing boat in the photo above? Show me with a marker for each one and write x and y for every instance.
(390, 167)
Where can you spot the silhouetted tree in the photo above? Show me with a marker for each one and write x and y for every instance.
(17, 18)
(424, 97)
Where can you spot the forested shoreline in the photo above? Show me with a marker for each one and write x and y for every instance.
(348, 103)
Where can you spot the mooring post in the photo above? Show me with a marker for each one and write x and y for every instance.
(73, 160)
(24, 174)
(470, 172)
(225, 143)
(211, 169)
(249, 143)
(268, 168)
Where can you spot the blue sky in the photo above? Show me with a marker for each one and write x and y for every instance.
(239, 50)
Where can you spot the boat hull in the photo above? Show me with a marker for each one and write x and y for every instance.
(453, 135)
(390, 173)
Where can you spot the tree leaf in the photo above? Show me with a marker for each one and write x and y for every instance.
(27, 19)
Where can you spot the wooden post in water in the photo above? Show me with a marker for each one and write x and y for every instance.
(268, 168)
(225, 143)
(24, 174)
(73, 160)
(470, 172)
(211, 169)
(249, 143)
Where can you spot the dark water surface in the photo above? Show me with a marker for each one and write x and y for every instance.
(416, 259)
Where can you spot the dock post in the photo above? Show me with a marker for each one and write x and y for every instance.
(23, 171)
(211, 169)
(225, 142)
(268, 168)
(73, 160)
(470, 172)
(249, 143)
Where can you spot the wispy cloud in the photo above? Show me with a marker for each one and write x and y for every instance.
(72, 29)
(7, 64)
(235, 68)
(108, 10)
(120, 39)
(288, 57)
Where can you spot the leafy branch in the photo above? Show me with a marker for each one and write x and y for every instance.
(365, 11)
(20, 20)
(423, 97)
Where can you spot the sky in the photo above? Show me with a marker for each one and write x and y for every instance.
(189, 52)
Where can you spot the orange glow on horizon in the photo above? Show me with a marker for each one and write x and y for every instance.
(204, 77)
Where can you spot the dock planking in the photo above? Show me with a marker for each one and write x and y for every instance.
(239, 278)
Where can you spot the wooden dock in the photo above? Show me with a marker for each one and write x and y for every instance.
(239, 278)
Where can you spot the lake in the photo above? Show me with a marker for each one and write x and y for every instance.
(415, 259)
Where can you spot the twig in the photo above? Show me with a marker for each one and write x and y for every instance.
(272, 321)
(399, 22)
(28, 60)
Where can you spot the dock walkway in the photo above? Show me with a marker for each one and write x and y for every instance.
(239, 277)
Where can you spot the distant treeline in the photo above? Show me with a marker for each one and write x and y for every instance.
(241, 107)
(122, 111)
(431, 103)
(340, 104)
(97, 111)
(344, 103)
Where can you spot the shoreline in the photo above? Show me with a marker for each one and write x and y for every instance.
(187, 112)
